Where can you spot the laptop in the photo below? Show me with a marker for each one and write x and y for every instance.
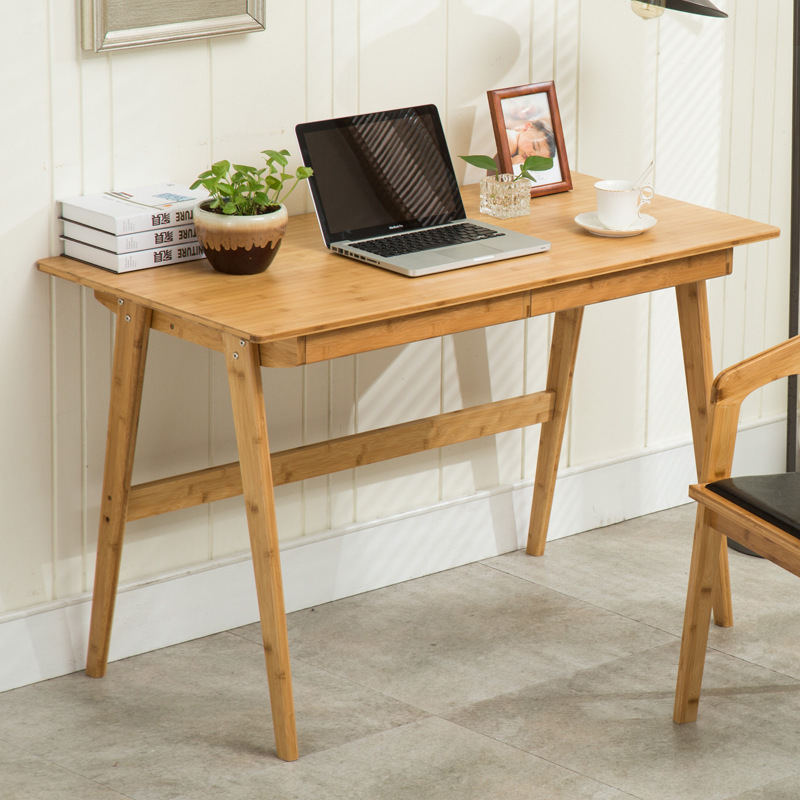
(385, 193)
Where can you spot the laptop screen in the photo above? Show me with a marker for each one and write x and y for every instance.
(380, 173)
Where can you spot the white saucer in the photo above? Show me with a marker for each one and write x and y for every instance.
(589, 221)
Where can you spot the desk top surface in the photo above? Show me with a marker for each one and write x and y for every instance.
(309, 290)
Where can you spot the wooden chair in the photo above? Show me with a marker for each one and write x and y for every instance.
(762, 513)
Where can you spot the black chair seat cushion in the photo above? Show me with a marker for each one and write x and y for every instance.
(773, 498)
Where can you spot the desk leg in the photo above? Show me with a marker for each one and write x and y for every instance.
(563, 349)
(696, 340)
(247, 396)
(130, 354)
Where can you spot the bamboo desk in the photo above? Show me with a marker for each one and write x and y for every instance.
(312, 305)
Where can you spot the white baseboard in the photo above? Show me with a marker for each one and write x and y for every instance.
(50, 640)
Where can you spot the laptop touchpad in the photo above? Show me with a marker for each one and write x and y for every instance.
(474, 251)
(469, 251)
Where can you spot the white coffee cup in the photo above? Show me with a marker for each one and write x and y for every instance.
(619, 203)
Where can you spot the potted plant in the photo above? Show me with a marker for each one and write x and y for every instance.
(241, 225)
(505, 195)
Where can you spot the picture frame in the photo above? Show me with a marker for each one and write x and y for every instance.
(118, 24)
(526, 121)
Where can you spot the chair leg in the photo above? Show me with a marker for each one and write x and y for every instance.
(703, 584)
(723, 606)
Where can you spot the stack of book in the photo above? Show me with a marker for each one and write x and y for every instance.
(124, 231)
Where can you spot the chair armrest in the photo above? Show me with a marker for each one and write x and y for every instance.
(733, 384)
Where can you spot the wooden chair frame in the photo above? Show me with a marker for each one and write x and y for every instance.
(719, 519)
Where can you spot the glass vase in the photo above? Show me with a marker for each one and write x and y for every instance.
(503, 197)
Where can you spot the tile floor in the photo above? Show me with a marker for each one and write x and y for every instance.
(512, 678)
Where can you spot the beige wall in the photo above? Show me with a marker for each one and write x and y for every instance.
(708, 99)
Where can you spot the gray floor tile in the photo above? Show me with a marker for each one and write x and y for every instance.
(27, 777)
(638, 568)
(613, 722)
(644, 574)
(428, 759)
(186, 717)
(786, 789)
(458, 637)
(766, 627)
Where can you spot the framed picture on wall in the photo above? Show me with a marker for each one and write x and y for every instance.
(527, 123)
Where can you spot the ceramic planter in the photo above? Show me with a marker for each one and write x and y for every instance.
(239, 245)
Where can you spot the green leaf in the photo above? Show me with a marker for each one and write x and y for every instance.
(273, 183)
(220, 168)
(304, 172)
(275, 155)
(481, 162)
(537, 164)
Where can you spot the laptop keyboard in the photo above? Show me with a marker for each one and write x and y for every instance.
(429, 239)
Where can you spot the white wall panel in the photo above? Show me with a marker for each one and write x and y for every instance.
(68, 431)
(67, 319)
(173, 438)
(776, 310)
(667, 406)
(760, 192)
(319, 80)
(395, 385)
(610, 384)
(341, 423)
(487, 48)
(26, 492)
(27, 564)
(692, 132)
(97, 140)
(616, 91)
(481, 366)
(97, 346)
(615, 139)
(408, 37)
(346, 56)
(741, 144)
(542, 43)
(283, 395)
(537, 351)
(567, 43)
(228, 524)
(316, 427)
(160, 99)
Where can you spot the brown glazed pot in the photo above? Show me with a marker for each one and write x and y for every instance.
(239, 245)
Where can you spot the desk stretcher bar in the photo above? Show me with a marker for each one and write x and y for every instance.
(311, 461)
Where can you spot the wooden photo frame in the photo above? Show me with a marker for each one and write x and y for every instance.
(526, 122)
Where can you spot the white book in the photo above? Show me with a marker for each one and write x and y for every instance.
(128, 262)
(164, 205)
(129, 242)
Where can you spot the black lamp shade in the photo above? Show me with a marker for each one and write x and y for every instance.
(703, 7)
